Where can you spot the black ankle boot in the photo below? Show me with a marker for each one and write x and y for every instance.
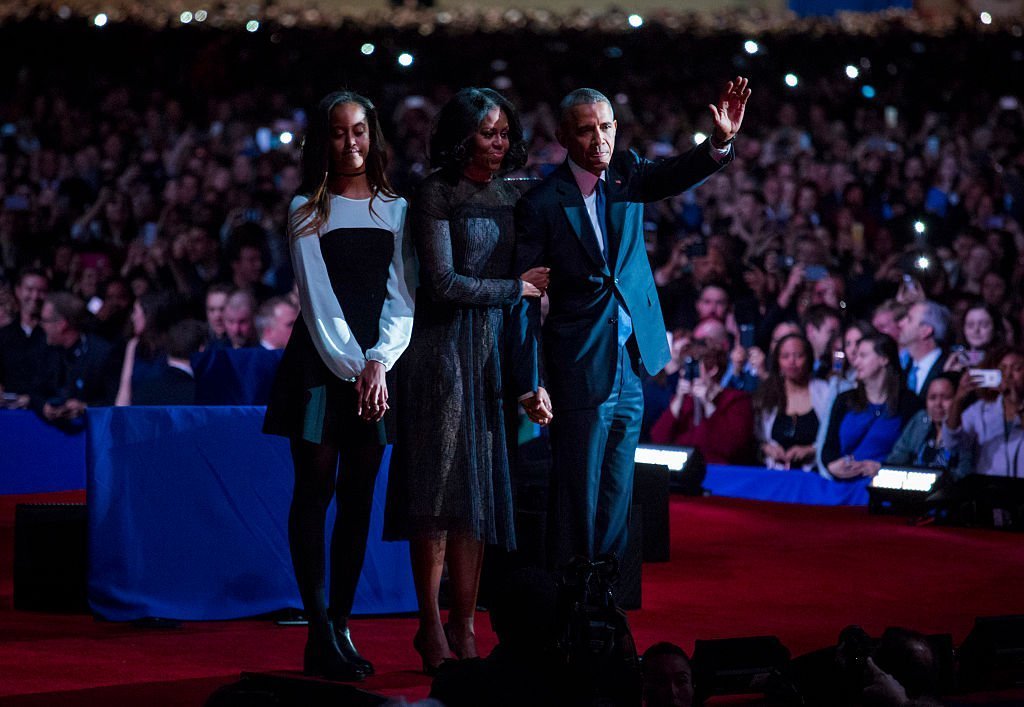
(324, 658)
(348, 649)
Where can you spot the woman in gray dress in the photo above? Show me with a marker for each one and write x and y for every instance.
(450, 492)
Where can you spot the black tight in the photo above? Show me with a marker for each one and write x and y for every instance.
(318, 478)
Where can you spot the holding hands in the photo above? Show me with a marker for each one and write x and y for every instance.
(538, 408)
(372, 392)
(535, 281)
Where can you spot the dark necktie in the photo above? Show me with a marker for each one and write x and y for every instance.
(602, 219)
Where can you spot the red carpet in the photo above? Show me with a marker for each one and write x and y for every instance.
(738, 568)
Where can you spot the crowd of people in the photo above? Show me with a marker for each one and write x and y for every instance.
(132, 219)
(846, 294)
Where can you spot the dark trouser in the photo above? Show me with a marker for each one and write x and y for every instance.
(592, 470)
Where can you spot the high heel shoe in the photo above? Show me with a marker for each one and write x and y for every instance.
(459, 649)
(324, 658)
(429, 667)
(348, 649)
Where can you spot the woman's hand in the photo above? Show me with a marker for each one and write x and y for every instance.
(372, 392)
(867, 467)
(844, 468)
(539, 277)
(530, 290)
(799, 454)
(774, 451)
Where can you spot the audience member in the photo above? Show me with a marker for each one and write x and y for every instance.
(866, 422)
(822, 325)
(23, 341)
(274, 322)
(922, 331)
(239, 326)
(173, 382)
(790, 405)
(144, 353)
(77, 369)
(886, 318)
(982, 331)
(922, 442)
(668, 676)
(717, 421)
(216, 301)
(992, 424)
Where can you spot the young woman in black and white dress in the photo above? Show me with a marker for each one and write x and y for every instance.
(330, 397)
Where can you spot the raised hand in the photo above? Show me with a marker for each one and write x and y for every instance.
(728, 113)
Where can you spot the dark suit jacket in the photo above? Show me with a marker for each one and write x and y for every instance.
(932, 374)
(580, 334)
(170, 386)
(20, 357)
(88, 371)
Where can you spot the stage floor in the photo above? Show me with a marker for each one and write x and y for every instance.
(738, 568)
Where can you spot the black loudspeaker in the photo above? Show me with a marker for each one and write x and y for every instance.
(651, 493)
(628, 588)
(50, 551)
(733, 666)
(285, 689)
(992, 655)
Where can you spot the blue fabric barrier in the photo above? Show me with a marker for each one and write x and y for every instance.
(808, 8)
(760, 484)
(235, 376)
(188, 512)
(38, 458)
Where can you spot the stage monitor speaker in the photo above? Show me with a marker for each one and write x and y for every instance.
(733, 666)
(992, 655)
(50, 551)
(285, 689)
(628, 588)
(651, 494)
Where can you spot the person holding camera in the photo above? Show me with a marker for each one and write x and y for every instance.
(718, 421)
(992, 424)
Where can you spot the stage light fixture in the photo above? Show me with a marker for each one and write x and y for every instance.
(919, 227)
(791, 80)
(867, 91)
(922, 262)
(405, 59)
(751, 47)
(252, 25)
(699, 137)
(852, 71)
(636, 21)
(201, 15)
(286, 138)
(100, 20)
(367, 49)
(685, 465)
(186, 17)
(986, 18)
(900, 489)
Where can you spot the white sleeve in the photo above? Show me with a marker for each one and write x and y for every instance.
(331, 334)
(396, 315)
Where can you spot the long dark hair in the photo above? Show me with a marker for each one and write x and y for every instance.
(316, 162)
(884, 346)
(771, 394)
(450, 143)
